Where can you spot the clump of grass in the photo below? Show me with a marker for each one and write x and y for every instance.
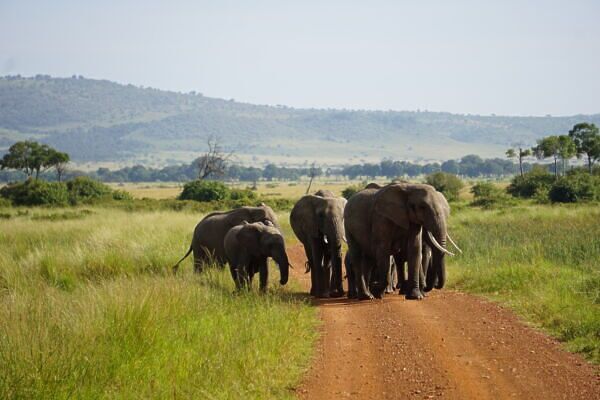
(540, 260)
(90, 309)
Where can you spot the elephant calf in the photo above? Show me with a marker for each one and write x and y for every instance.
(247, 248)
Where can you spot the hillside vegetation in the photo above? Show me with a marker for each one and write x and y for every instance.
(96, 120)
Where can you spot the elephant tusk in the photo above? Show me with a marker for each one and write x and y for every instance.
(344, 239)
(437, 245)
(453, 244)
(325, 239)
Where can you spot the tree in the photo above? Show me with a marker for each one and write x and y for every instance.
(587, 141)
(556, 147)
(31, 157)
(59, 161)
(520, 154)
(449, 184)
(214, 161)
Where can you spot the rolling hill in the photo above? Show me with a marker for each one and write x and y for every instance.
(103, 121)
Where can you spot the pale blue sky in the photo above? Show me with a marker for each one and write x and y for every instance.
(480, 57)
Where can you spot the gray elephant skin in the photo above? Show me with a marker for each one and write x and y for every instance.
(381, 222)
(318, 223)
(209, 234)
(248, 247)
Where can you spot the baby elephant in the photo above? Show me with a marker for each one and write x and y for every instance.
(247, 247)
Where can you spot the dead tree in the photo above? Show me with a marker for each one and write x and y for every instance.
(214, 161)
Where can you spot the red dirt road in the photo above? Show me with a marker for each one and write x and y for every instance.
(449, 346)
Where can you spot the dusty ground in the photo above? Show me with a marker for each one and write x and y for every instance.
(449, 346)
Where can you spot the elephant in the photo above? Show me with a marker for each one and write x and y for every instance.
(318, 223)
(247, 248)
(207, 241)
(380, 222)
(324, 193)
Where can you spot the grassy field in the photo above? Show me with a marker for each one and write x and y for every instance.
(542, 261)
(89, 309)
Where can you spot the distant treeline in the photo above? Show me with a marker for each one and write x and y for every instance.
(469, 166)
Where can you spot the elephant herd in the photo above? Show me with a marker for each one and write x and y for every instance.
(384, 227)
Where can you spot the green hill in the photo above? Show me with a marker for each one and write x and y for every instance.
(98, 120)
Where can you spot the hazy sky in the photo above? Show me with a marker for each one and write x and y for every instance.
(481, 57)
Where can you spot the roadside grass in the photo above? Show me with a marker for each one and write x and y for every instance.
(542, 261)
(89, 309)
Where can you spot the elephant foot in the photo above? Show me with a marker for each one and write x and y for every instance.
(365, 296)
(427, 289)
(336, 293)
(389, 290)
(324, 295)
(352, 295)
(414, 294)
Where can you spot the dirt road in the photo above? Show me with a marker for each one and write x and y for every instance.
(449, 346)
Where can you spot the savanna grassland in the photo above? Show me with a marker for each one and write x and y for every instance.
(542, 261)
(90, 309)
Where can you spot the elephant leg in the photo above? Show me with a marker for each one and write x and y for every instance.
(322, 285)
(336, 287)
(263, 271)
(313, 275)
(363, 279)
(425, 261)
(392, 276)
(350, 276)
(414, 262)
(383, 266)
(199, 260)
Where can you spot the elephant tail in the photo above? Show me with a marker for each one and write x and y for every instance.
(176, 266)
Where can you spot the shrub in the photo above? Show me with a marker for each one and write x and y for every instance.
(121, 195)
(350, 191)
(204, 191)
(242, 194)
(535, 181)
(576, 186)
(83, 188)
(35, 193)
(448, 184)
(488, 195)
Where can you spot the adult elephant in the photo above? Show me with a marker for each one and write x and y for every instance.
(248, 247)
(318, 223)
(207, 241)
(379, 222)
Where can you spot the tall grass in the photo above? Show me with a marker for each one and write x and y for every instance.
(543, 261)
(89, 309)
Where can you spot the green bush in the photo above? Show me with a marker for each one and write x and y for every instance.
(36, 193)
(204, 191)
(242, 194)
(121, 195)
(576, 186)
(448, 184)
(350, 191)
(85, 188)
(535, 181)
(488, 195)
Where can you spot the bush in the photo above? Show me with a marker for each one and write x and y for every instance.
(83, 188)
(448, 184)
(205, 191)
(576, 186)
(36, 193)
(350, 191)
(242, 194)
(488, 195)
(535, 181)
(121, 195)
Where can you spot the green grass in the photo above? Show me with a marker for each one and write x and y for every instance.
(89, 309)
(542, 261)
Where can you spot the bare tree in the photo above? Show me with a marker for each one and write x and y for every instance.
(214, 161)
(313, 171)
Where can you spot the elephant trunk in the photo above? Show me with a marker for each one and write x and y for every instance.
(284, 267)
(437, 236)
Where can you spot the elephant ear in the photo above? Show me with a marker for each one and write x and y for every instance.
(310, 214)
(249, 238)
(391, 202)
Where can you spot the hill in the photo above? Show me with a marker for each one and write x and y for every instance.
(99, 120)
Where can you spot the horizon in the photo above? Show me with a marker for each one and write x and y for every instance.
(508, 59)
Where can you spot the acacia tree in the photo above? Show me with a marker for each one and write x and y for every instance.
(520, 153)
(558, 147)
(214, 161)
(587, 141)
(59, 161)
(32, 158)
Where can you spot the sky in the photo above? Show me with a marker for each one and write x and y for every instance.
(473, 57)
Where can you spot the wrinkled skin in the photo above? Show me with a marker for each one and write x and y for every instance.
(247, 248)
(379, 222)
(318, 223)
(398, 273)
(207, 241)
